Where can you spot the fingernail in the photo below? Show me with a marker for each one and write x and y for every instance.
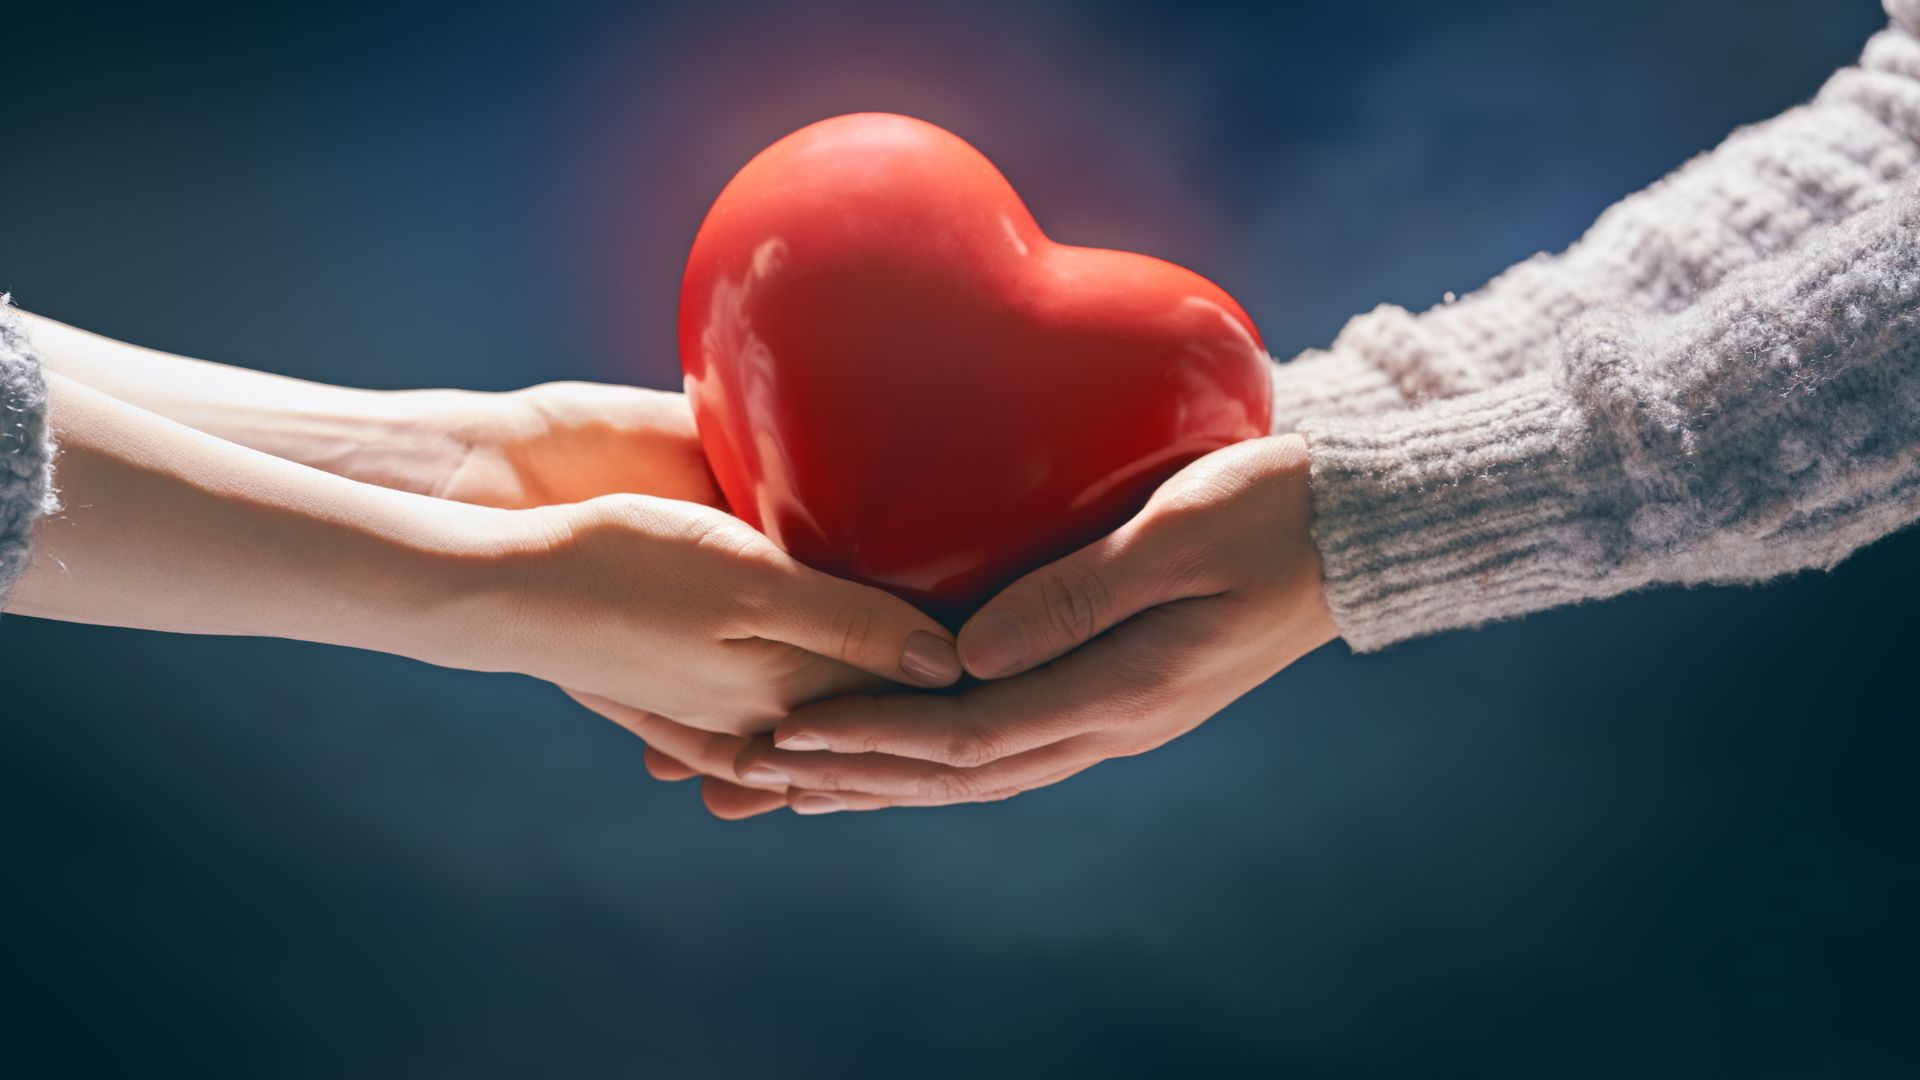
(802, 741)
(765, 774)
(817, 804)
(930, 658)
(996, 646)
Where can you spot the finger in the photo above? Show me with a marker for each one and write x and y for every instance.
(825, 679)
(802, 676)
(763, 765)
(813, 803)
(861, 627)
(1072, 600)
(661, 767)
(1112, 681)
(733, 802)
(706, 752)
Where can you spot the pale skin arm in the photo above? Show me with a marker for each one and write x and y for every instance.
(553, 443)
(166, 528)
(667, 606)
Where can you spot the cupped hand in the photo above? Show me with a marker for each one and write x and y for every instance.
(686, 612)
(570, 442)
(1112, 651)
(566, 442)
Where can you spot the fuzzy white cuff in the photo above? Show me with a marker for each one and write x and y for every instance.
(26, 447)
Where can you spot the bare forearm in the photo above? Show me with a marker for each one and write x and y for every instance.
(369, 435)
(168, 528)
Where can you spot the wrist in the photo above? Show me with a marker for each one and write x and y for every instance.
(414, 441)
(467, 446)
(461, 445)
(408, 440)
(462, 586)
(1310, 617)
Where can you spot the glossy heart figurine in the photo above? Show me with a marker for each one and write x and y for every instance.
(902, 381)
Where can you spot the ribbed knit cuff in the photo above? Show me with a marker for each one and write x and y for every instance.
(1462, 511)
(26, 447)
(1323, 383)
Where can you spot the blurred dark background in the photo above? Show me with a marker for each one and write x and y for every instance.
(1669, 835)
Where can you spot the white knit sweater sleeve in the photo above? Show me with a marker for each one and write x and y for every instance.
(26, 450)
(1761, 194)
(1772, 426)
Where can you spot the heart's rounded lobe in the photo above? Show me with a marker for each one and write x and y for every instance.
(900, 380)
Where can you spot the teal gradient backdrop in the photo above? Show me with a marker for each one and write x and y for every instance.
(1668, 835)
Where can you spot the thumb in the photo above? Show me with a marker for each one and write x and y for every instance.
(1066, 603)
(862, 627)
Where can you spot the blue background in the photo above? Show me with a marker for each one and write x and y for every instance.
(1668, 835)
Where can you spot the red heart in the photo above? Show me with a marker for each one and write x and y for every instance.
(900, 380)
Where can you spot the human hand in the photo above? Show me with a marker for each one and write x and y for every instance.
(667, 606)
(572, 441)
(1112, 651)
(563, 442)
(686, 612)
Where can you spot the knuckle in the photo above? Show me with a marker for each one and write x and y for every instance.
(852, 628)
(1145, 728)
(971, 745)
(825, 779)
(947, 787)
(1075, 601)
(1187, 556)
(725, 536)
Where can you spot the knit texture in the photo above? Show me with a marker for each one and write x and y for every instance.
(26, 447)
(1773, 426)
(1719, 382)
